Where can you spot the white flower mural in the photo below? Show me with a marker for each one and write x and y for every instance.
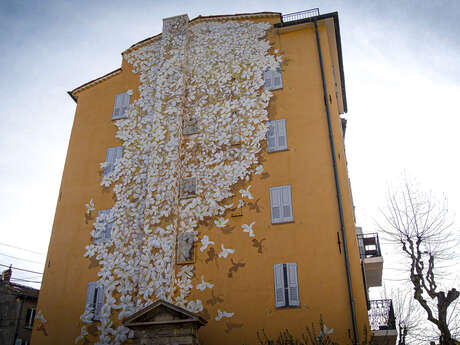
(209, 74)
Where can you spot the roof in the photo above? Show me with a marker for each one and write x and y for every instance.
(158, 36)
(22, 290)
(148, 316)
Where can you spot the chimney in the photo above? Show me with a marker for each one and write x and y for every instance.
(6, 275)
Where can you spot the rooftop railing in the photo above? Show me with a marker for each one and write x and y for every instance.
(369, 245)
(291, 17)
(381, 315)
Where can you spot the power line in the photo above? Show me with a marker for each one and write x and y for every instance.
(27, 250)
(21, 269)
(25, 280)
(15, 257)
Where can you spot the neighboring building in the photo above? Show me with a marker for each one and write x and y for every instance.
(17, 311)
(219, 206)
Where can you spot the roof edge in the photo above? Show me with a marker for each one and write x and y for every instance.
(91, 83)
(207, 18)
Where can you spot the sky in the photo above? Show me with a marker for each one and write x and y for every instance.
(402, 76)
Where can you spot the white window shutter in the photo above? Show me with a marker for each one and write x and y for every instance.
(18, 341)
(278, 279)
(110, 157)
(268, 79)
(277, 79)
(275, 205)
(271, 136)
(292, 283)
(112, 154)
(90, 296)
(120, 106)
(100, 296)
(286, 202)
(281, 134)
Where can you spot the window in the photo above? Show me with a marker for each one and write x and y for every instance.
(190, 126)
(276, 135)
(281, 204)
(273, 79)
(112, 154)
(120, 106)
(94, 299)
(107, 219)
(185, 248)
(286, 285)
(187, 187)
(30, 315)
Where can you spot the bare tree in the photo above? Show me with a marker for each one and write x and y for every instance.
(421, 225)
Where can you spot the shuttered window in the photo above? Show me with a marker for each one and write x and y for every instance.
(106, 234)
(112, 154)
(30, 318)
(120, 106)
(273, 79)
(94, 299)
(286, 285)
(281, 204)
(276, 136)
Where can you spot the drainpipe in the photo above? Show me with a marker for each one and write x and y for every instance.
(337, 189)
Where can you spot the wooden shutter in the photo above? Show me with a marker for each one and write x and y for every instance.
(108, 226)
(271, 136)
(120, 106)
(90, 296)
(268, 79)
(286, 203)
(100, 295)
(275, 204)
(112, 154)
(278, 279)
(281, 143)
(277, 79)
(292, 284)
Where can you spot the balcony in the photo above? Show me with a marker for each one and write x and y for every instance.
(382, 321)
(298, 16)
(369, 251)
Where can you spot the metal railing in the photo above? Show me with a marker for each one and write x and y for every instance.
(291, 17)
(381, 315)
(369, 245)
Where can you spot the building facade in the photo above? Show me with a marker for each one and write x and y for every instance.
(17, 311)
(209, 172)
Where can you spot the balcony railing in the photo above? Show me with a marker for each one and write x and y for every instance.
(381, 315)
(369, 245)
(291, 17)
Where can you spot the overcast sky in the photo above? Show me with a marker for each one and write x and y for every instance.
(402, 77)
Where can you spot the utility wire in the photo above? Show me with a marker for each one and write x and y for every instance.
(15, 257)
(27, 250)
(25, 280)
(21, 269)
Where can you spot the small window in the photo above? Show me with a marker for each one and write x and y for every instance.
(107, 219)
(111, 156)
(94, 299)
(120, 107)
(273, 79)
(30, 316)
(187, 188)
(190, 126)
(185, 248)
(276, 136)
(281, 204)
(286, 285)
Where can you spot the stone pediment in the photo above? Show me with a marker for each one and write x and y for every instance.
(160, 314)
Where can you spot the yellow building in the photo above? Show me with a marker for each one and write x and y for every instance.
(208, 175)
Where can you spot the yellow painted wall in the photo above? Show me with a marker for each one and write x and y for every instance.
(310, 241)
